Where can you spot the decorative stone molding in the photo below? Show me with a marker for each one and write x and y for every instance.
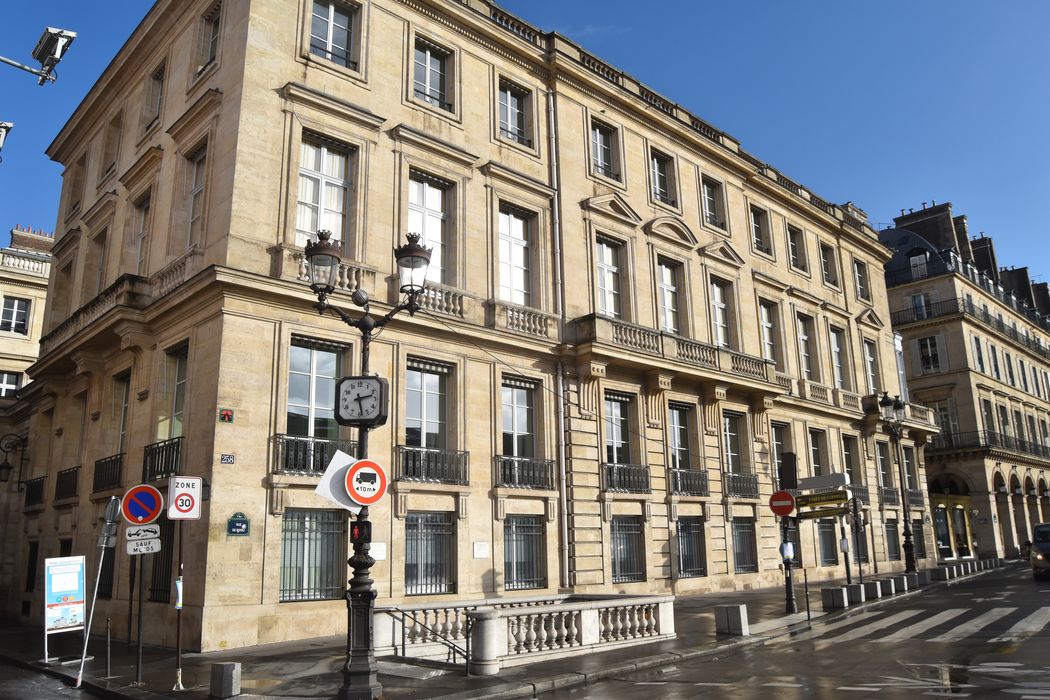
(500, 508)
(462, 500)
(711, 396)
(590, 374)
(552, 509)
(657, 385)
(759, 406)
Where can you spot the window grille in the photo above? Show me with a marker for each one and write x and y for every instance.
(829, 555)
(918, 538)
(628, 563)
(160, 581)
(524, 552)
(430, 553)
(893, 542)
(692, 554)
(313, 555)
(745, 551)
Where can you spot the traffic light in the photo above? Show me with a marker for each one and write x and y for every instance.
(361, 532)
(787, 471)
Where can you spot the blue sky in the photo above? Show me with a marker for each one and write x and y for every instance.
(887, 103)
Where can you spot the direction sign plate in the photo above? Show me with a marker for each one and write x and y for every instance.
(819, 499)
(143, 546)
(184, 497)
(822, 513)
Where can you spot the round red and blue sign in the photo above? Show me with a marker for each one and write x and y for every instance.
(142, 504)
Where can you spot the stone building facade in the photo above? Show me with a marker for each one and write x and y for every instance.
(978, 345)
(631, 321)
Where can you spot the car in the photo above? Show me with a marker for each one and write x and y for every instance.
(1039, 552)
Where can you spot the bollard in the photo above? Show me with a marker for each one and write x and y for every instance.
(225, 680)
(855, 593)
(109, 655)
(732, 619)
(872, 590)
(834, 598)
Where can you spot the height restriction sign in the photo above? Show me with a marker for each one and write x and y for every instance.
(184, 497)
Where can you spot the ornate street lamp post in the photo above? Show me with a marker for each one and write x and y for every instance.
(323, 259)
(893, 416)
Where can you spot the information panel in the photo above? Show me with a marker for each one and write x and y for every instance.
(64, 594)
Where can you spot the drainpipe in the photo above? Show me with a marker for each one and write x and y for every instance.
(559, 307)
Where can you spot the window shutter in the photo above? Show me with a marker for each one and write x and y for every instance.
(942, 353)
(916, 358)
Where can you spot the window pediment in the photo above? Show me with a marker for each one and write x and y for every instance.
(868, 317)
(722, 252)
(614, 207)
(672, 229)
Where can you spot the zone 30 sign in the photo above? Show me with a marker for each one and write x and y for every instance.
(184, 497)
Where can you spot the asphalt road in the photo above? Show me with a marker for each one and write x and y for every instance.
(22, 684)
(984, 637)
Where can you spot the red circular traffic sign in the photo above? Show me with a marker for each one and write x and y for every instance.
(782, 503)
(365, 482)
(184, 503)
(142, 504)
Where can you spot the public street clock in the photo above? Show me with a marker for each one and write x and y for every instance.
(362, 401)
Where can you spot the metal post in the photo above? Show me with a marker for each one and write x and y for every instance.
(790, 604)
(131, 595)
(109, 650)
(844, 540)
(142, 595)
(909, 545)
(805, 579)
(178, 619)
(360, 672)
(856, 537)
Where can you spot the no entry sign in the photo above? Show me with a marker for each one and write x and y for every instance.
(365, 482)
(782, 503)
(142, 504)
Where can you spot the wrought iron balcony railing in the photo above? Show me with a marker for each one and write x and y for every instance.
(66, 483)
(524, 473)
(689, 482)
(162, 459)
(426, 464)
(986, 438)
(296, 454)
(626, 478)
(890, 496)
(35, 491)
(861, 493)
(914, 498)
(741, 485)
(109, 473)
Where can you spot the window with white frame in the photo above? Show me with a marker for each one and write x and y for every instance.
(428, 215)
(313, 369)
(768, 321)
(667, 273)
(608, 270)
(208, 43)
(721, 313)
(860, 279)
(760, 229)
(332, 31)
(426, 406)
(797, 248)
(871, 366)
(945, 415)
(921, 305)
(829, 551)
(851, 459)
(882, 458)
(807, 358)
(1035, 382)
(513, 112)
(1022, 372)
(617, 429)
(9, 384)
(1008, 363)
(661, 174)
(678, 417)
(121, 401)
(174, 423)
(978, 353)
(15, 316)
(818, 452)
(714, 208)
(431, 75)
(732, 442)
(993, 353)
(324, 184)
(781, 436)
(514, 255)
(140, 224)
(604, 150)
(909, 469)
(518, 398)
(929, 355)
(197, 165)
(902, 374)
(828, 266)
(839, 369)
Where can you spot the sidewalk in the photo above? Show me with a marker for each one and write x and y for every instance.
(310, 668)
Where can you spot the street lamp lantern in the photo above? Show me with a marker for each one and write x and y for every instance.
(412, 263)
(8, 444)
(893, 414)
(322, 263)
(5, 471)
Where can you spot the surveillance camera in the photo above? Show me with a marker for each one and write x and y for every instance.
(51, 48)
(5, 128)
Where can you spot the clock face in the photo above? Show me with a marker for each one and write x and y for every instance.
(362, 401)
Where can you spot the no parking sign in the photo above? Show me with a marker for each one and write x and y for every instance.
(184, 497)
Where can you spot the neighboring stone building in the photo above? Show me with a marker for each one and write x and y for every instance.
(630, 327)
(24, 267)
(978, 339)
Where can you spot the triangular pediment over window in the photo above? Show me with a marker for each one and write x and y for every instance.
(671, 229)
(869, 318)
(722, 252)
(613, 206)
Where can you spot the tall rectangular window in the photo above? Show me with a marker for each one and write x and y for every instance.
(797, 248)
(921, 305)
(839, 370)
(617, 429)
(893, 541)
(1022, 371)
(1035, 382)
(15, 316)
(518, 408)
(760, 229)
(628, 549)
(430, 82)
(909, 469)
(994, 355)
(1008, 362)
(851, 459)
(829, 554)
(860, 278)
(208, 46)
(818, 452)
(714, 209)
(745, 549)
(929, 355)
(122, 399)
(945, 415)
(32, 563)
(661, 173)
(667, 294)
(111, 145)
(732, 459)
(806, 351)
(603, 150)
(721, 313)
(154, 97)
(141, 228)
(178, 361)
(331, 32)
(514, 256)
(313, 555)
(9, 384)
(313, 369)
(430, 553)
(978, 353)
(780, 433)
(768, 319)
(678, 436)
(871, 366)
(513, 101)
(524, 553)
(426, 422)
(195, 196)
(324, 183)
(692, 551)
(428, 216)
(608, 259)
(828, 267)
(882, 456)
